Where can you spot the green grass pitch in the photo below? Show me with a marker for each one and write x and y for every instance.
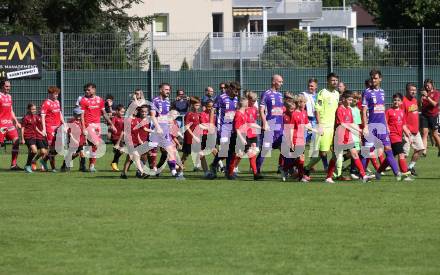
(82, 223)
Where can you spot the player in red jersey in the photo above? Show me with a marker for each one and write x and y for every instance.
(251, 134)
(144, 134)
(118, 122)
(296, 123)
(238, 137)
(193, 134)
(430, 113)
(7, 121)
(207, 120)
(52, 118)
(76, 141)
(32, 135)
(411, 109)
(244, 134)
(139, 132)
(251, 119)
(288, 122)
(396, 122)
(93, 107)
(345, 129)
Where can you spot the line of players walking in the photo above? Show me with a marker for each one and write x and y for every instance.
(335, 123)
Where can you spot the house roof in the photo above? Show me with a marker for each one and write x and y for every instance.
(363, 17)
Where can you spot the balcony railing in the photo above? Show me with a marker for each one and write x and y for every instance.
(237, 44)
(296, 9)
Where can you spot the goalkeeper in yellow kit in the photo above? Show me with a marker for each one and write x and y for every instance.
(325, 110)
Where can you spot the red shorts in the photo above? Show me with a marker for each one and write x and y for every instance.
(9, 132)
(51, 132)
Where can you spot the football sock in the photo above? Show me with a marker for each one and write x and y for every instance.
(392, 161)
(360, 167)
(381, 158)
(231, 167)
(402, 165)
(300, 165)
(30, 158)
(339, 163)
(163, 158)
(253, 162)
(331, 168)
(324, 161)
(116, 156)
(375, 164)
(14, 153)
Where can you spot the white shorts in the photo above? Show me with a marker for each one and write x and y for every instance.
(416, 143)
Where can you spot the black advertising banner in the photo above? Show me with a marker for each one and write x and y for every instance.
(20, 56)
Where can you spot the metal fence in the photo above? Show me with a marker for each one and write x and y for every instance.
(120, 63)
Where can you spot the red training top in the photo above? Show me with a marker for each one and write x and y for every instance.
(143, 125)
(240, 122)
(29, 123)
(192, 120)
(119, 125)
(343, 115)
(52, 110)
(299, 119)
(411, 114)
(92, 107)
(427, 108)
(204, 119)
(82, 138)
(251, 117)
(395, 120)
(5, 109)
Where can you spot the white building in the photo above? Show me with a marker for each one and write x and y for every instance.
(185, 29)
(339, 21)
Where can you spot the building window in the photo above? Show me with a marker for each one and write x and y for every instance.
(217, 22)
(160, 24)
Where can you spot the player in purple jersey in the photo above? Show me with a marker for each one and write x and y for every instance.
(225, 106)
(375, 127)
(161, 136)
(271, 113)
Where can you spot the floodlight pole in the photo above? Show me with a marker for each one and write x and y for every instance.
(62, 71)
(423, 55)
(241, 62)
(151, 61)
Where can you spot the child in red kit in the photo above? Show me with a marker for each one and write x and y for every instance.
(395, 117)
(296, 122)
(251, 135)
(118, 122)
(76, 142)
(345, 129)
(244, 134)
(207, 120)
(139, 132)
(32, 136)
(194, 134)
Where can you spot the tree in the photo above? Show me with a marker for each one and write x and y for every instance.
(184, 66)
(109, 39)
(42, 16)
(404, 47)
(156, 61)
(404, 14)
